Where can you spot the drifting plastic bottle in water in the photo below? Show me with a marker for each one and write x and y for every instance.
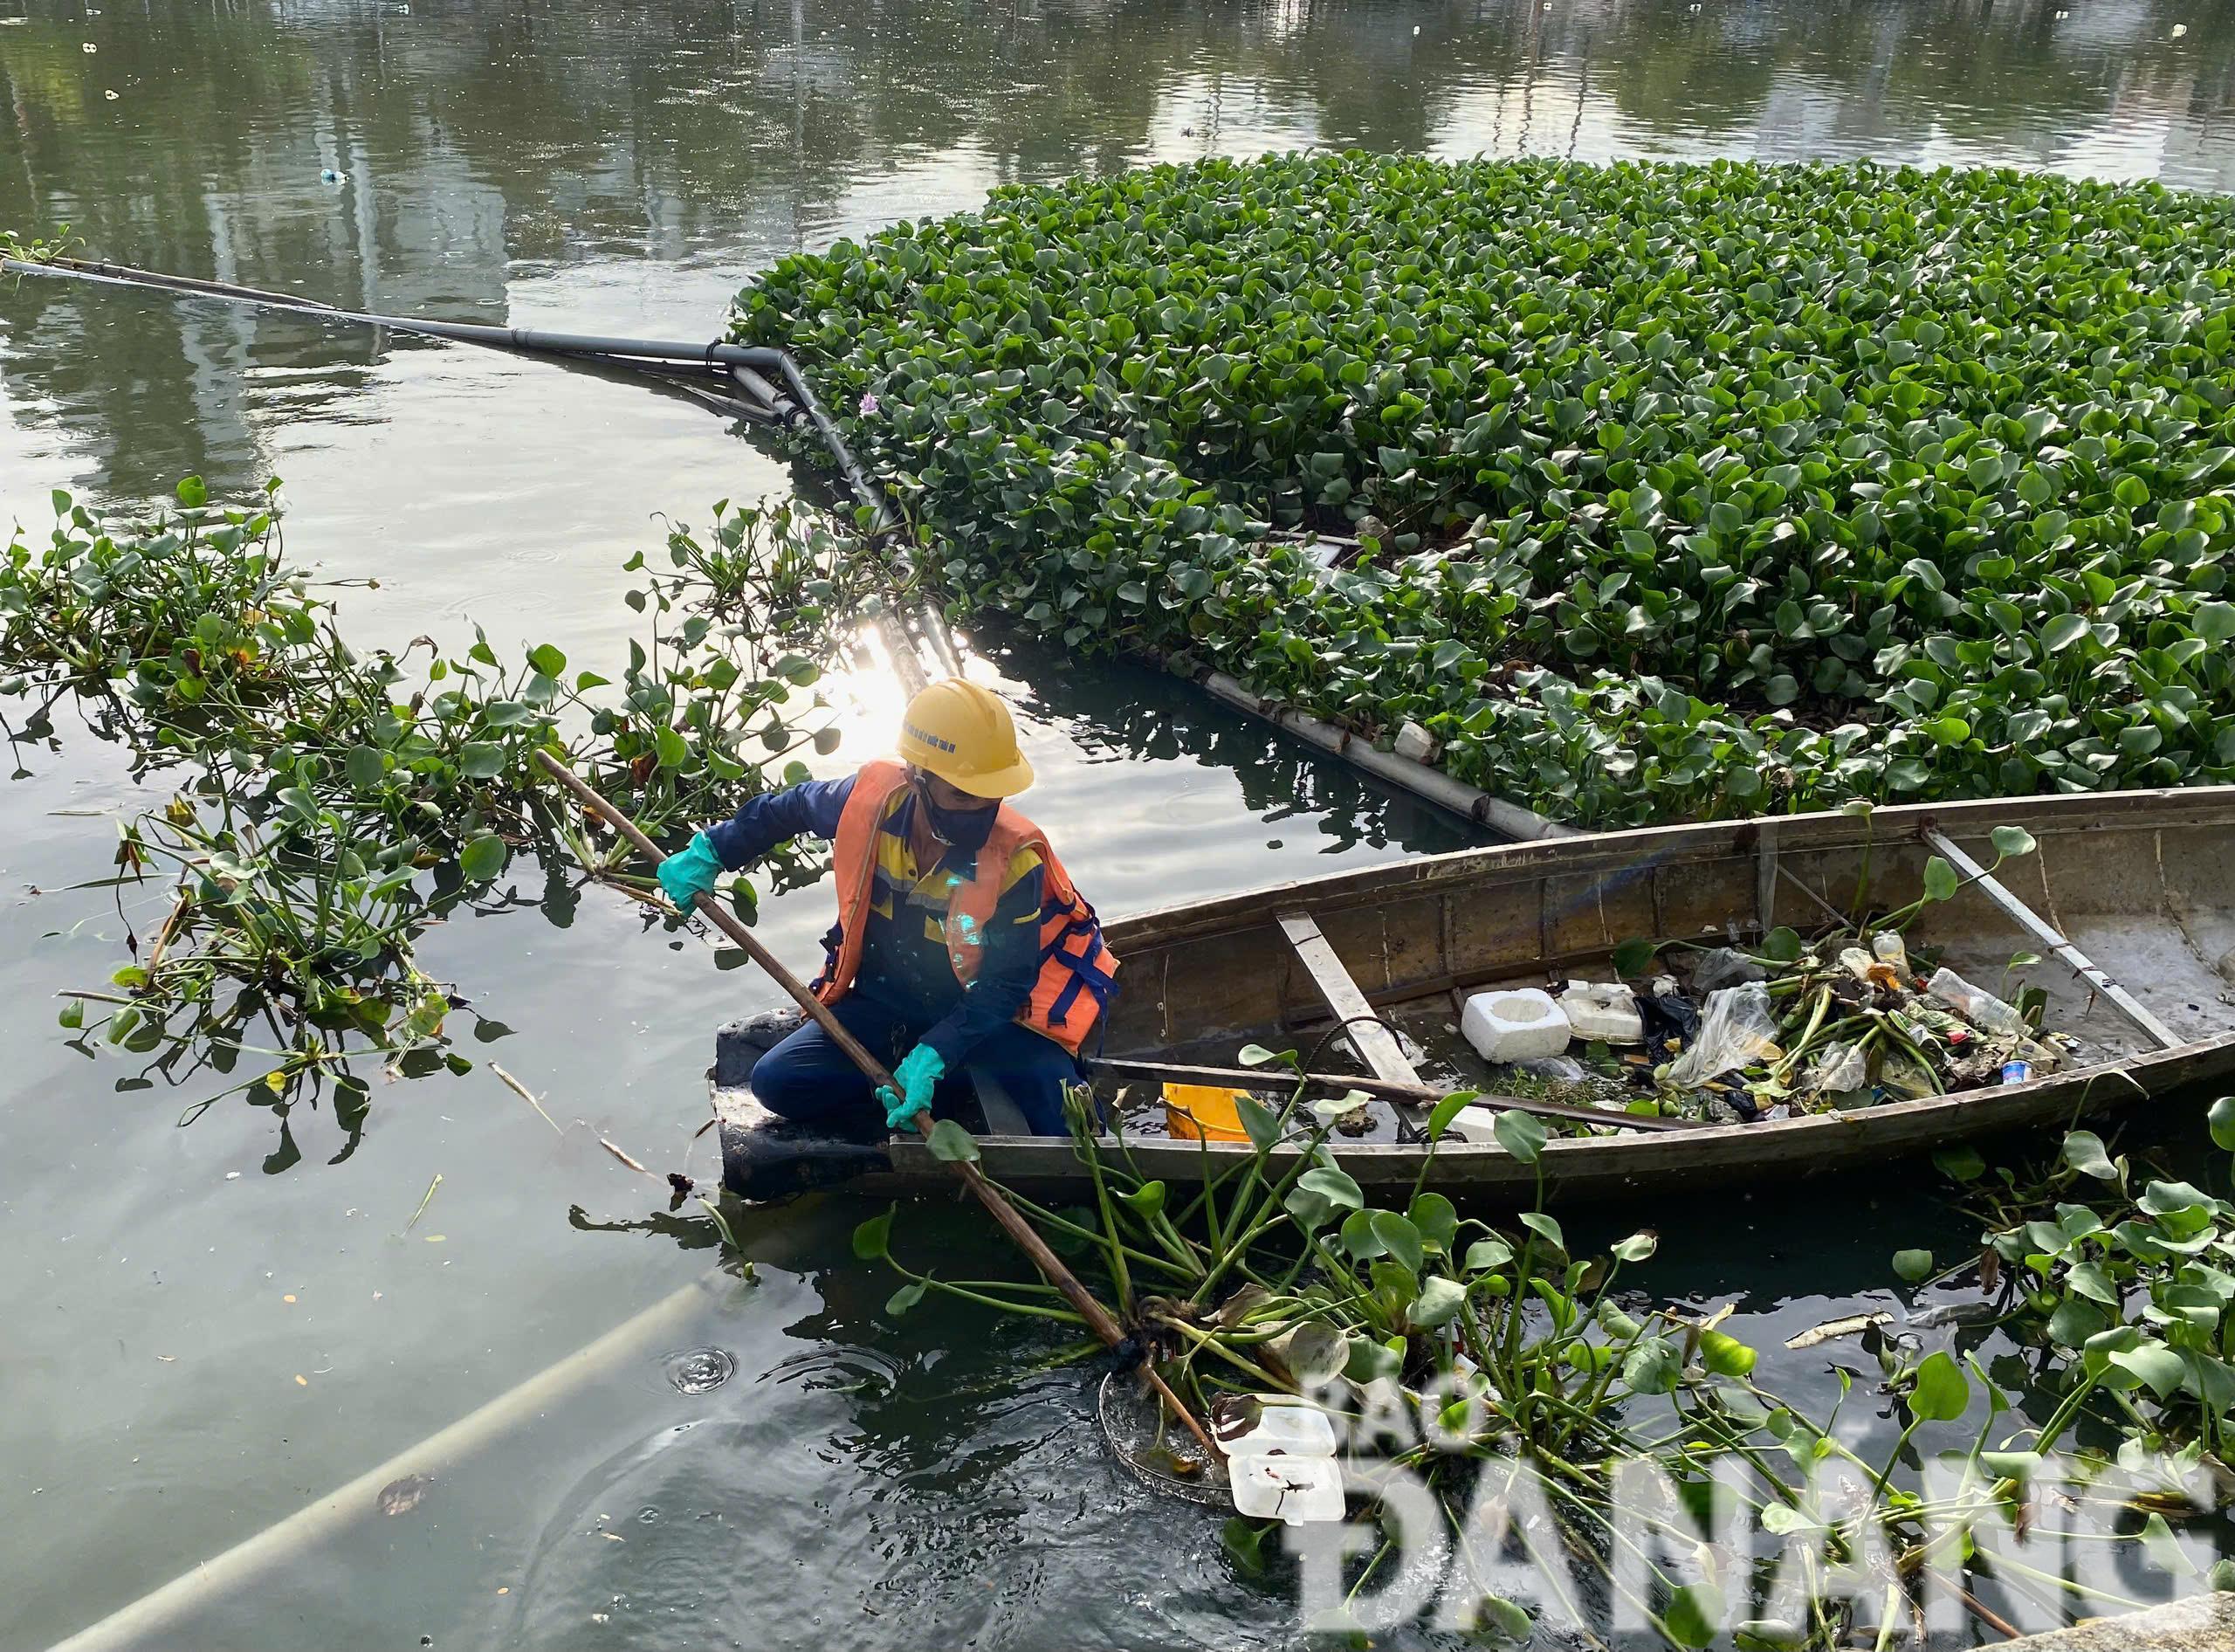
(1975, 1004)
(1887, 945)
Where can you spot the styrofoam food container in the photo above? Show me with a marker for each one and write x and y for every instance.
(1288, 1489)
(1514, 1023)
(1283, 1425)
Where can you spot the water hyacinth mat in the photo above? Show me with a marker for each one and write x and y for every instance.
(1676, 490)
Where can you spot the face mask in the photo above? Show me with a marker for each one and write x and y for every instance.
(963, 828)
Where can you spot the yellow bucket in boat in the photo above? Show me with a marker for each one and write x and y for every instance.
(1203, 1112)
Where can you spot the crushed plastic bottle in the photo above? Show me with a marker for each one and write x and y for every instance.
(1976, 1005)
(1887, 947)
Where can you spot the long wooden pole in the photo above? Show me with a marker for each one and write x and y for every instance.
(1097, 1317)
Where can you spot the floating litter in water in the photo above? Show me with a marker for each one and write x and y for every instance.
(91, 48)
(2180, 28)
(112, 94)
(699, 1370)
(401, 1496)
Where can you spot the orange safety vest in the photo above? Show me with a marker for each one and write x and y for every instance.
(1077, 972)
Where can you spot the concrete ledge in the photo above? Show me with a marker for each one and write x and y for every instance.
(2201, 1623)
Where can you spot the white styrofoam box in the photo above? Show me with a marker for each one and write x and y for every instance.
(1415, 743)
(1477, 1124)
(1514, 1023)
(1284, 1425)
(1607, 1011)
(1293, 1490)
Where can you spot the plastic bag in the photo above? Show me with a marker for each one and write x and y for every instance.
(1669, 1017)
(1723, 966)
(1737, 1028)
(1840, 1069)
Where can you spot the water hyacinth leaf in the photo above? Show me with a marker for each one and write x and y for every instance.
(2153, 1364)
(1940, 879)
(1542, 1225)
(364, 767)
(1654, 1366)
(1781, 945)
(2083, 1150)
(1694, 1615)
(1258, 1056)
(1912, 1266)
(1634, 957)
(873, 1238)
(1259, 1122)
(1725, 1355)
(2089, 1280)
(1500, 1621)
(1400, 1239)
(1943, 1392)
(1314, 1352)
(1370, 1359)
(481, 760)
(950, 1142)
(907, 1297)
(1358, 1238)
(1486, 1253)
(1394, 1287)
(2164, 1550)
(2075, 1322)
(1335, 1186)
(1520, 1135)
(2221, 1120)
(1615, 1323)
(482, 858)
(1147, 1200)
(1309, 1209)
(1434, 1219)
(2010, 842)
(1960, 1163)
(72, 1014)
(1448, 1109)
(1439, 1302)
(1638, 1247)
(1243, 1539)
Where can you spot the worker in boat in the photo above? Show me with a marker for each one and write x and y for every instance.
(962, 951)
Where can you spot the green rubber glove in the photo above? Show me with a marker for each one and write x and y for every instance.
(920, 1071)
(691, 871)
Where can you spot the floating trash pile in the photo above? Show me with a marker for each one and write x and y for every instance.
(1852, 1018)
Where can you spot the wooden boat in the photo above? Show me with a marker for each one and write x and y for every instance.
(2129, 900)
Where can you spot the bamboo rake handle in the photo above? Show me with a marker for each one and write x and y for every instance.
(1096, 1317)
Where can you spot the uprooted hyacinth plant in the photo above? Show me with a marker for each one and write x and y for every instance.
(327, 804)
(2076, 1390)
(1650, 491)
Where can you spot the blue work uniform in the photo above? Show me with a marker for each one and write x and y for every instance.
(905, 991)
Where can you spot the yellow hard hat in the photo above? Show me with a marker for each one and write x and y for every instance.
(962, 733)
